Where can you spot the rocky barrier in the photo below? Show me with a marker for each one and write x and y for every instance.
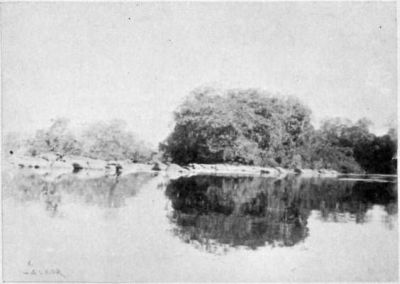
(77, 164)
(244, 170)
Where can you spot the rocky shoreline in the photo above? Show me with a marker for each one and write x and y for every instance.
(78, 164)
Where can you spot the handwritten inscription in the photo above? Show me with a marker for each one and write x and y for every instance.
(42, 271)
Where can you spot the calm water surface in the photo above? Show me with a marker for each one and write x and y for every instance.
(144, 227)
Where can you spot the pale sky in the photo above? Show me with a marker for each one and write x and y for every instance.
(137, 61)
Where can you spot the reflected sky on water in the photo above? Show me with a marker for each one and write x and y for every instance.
(143, 227)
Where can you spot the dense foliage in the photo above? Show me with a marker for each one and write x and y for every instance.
(238, 126)
(258, 128)
(374, 154)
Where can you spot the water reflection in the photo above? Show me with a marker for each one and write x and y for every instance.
(122, 229)
(104, 191)
(252, 212)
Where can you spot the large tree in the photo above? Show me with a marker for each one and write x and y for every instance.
(245, 126)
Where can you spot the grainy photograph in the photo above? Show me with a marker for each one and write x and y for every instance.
(199, 141)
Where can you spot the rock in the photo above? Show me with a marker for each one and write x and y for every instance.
(114, 167)
(328, 173)
(282, 170)
(118, 169)
(175, 171)
(316, 173)
(156, 167)
(176, 168)
(224, 169)
(48, 157)
(76, 167)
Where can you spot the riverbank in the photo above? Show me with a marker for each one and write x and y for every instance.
(226, 169)
(77, 164)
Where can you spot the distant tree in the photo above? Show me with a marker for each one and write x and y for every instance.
(112, 141)
(324, 153)
(57, 139)
(377, 155)
(100, 140)
(353, 141)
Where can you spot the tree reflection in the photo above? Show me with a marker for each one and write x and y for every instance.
(237, 211)
(253, 212)
(103, 191)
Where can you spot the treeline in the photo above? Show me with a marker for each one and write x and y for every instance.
(100, 140)
(248, 126)
(258, 128)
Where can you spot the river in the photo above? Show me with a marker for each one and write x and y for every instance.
(145, 227)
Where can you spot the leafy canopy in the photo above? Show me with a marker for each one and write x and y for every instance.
(244, 126)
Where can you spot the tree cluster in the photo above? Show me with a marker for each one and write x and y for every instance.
(100, 140)
(259, 128)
